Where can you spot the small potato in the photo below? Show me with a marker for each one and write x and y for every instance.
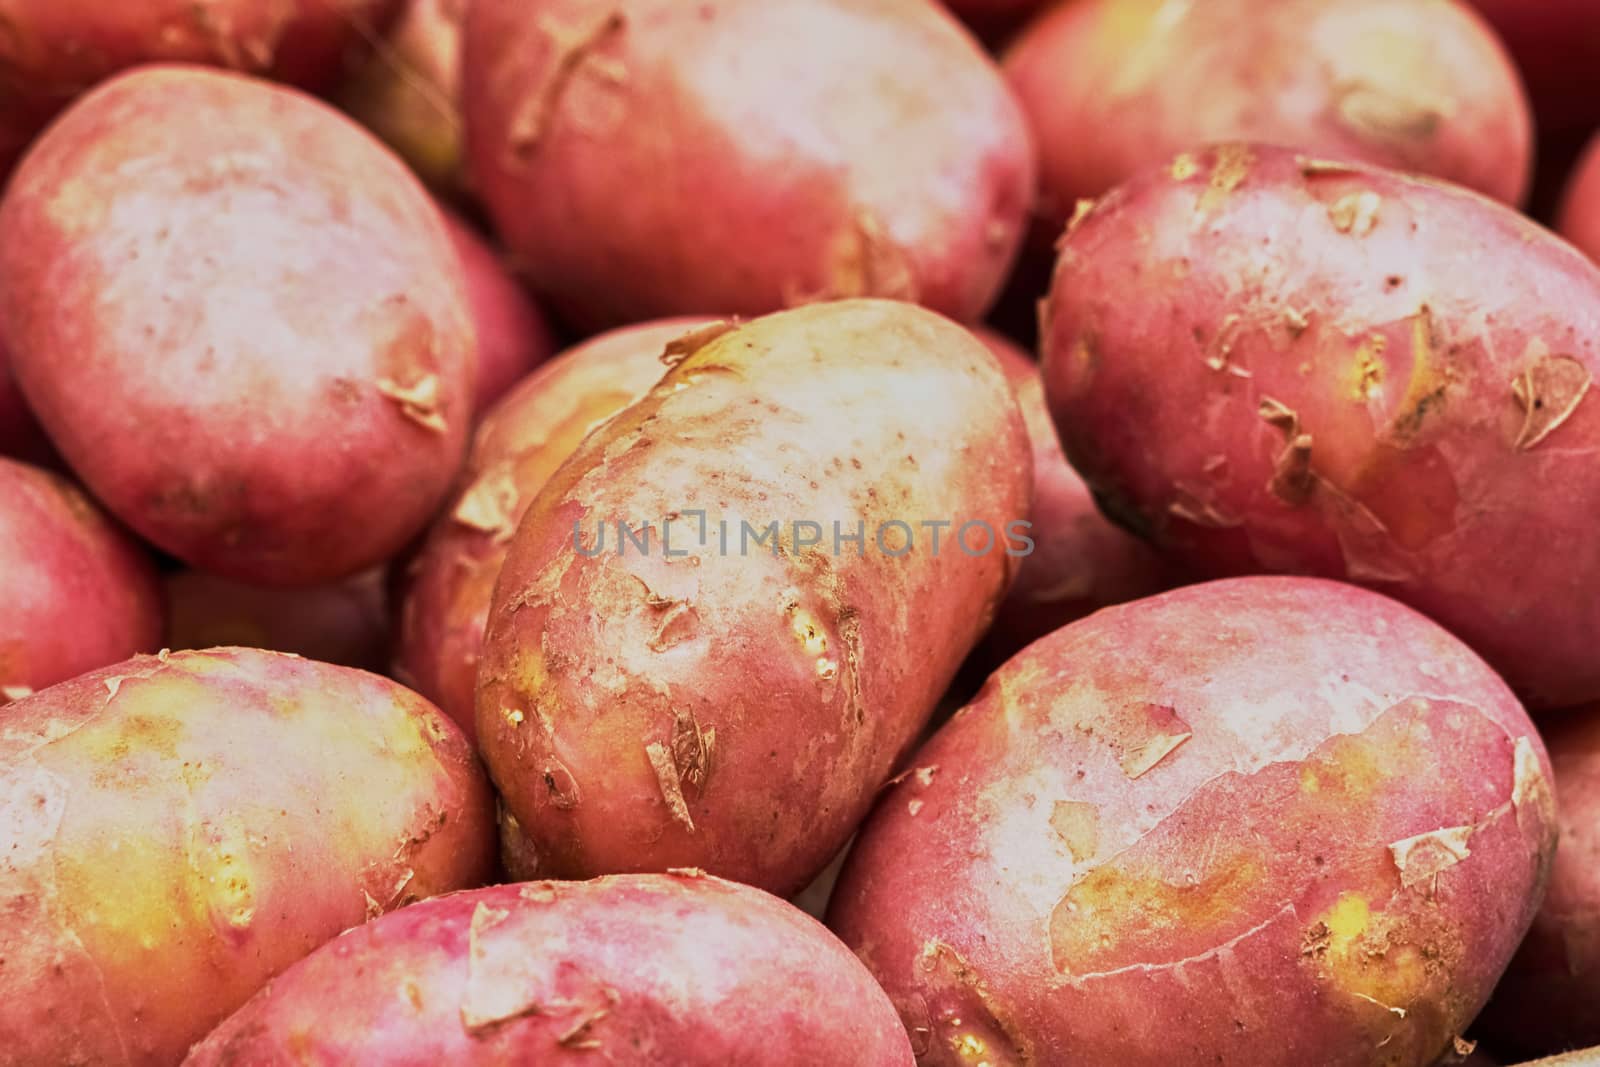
(1273, 363)
(265, 366)
(1113, 86)
(1580, 207)
(76, 592)
(648, 158)
(677, 970)
(1557, 45)
(729, 696)
(521, 441)
(180, 829)
(1265, 822)
(345, 623)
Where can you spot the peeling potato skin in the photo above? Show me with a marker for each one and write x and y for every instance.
(312, 396)
(1557, 45)
(1081, 561)
(522, 440)
(344, 623)
(184, 827)
(1113, 86)
(849, 148)
(782, 686)
(1580, 206)
(1032, 896)
(635, 971)
(513, 335)
(1196, 325)
(53, 50)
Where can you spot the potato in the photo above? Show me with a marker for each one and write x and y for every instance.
(1259, 821)
(1580, 206)
(266, 366)
(1113, 86)
(1547, 1000)
(1354, 401)
(639, 970)
(53, 50)
(77, 592)
(513, 336)
(729, 696)
(845, 148)
(1081, 561)
(345, 623)
(522, 440)
(1557, 45)
(182, 828)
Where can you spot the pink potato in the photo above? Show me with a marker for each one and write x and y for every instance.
(1557, 45)
(730, 695)
(1258, 822)
(266, 366)
(648, 158)
(1113, 86)
(1275, 363)
(513, 336)
(670, 970)
(179, 829)
(1580, 206)
(76, 592)
(522, 440)
(344, 623)
(53, 50)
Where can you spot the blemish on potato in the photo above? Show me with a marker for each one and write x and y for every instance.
(1146, 734)
(1531, 795)
(1198, 505)
(1231, 166)
(496, 989)
(1422, 857)
(666, 771)
(1377, 112)
(681, 348)
(1549, 391)
(1183, 168)
(8, 693)
(1077, 823)
(1368, 369)
(532, 121)
(419, 401)
(1355, 213)
(1293, 480)
(490, 503)
(1080, 211)
(1296, 321)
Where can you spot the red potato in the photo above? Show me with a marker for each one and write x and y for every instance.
(521, 441)
(180, 829)
(733, 705)
(1264, 821)
(1355, 399)
(344, 623)
(633, 971)
(1113, 86)
(292, 361)
(53, 50)
(651, 157)
(77, 592)
(1557, 45)
(513, 336)
(1580, 207)
(1081, 561)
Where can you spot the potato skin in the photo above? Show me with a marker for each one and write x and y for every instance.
(184, 827)
(734, 709)
(645, 970)
(849, 147)
(1248, 822)
(344, 623)
(1580, 206)
(1557, 45)
(78, 592)
(291, 362)
(522, 440)
(1113, 86)
(1354, 404)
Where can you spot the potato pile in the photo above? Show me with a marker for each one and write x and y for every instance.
(888, 533)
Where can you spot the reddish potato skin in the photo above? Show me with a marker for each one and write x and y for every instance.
(1557, 45)
(513, 336)
(634, 970)
(1580, 206)
(344, 623)
(1081, 561)
(260, 325)
(1169, 833)
(55, 49)
(521, 441)
(78, 592)
(1354, 405)
(1113, 86)
(848, 147)
(182, 828)
(735, 709)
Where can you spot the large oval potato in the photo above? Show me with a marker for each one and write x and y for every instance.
(179, 829)
(1258, 822)
(76, 592)
(729, 696)
(631, 971)
(1113, 86)
(1557, 45)
(1272, 363)
(652, 157)
(449, 583)
(1580, 205)
(266, 364)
